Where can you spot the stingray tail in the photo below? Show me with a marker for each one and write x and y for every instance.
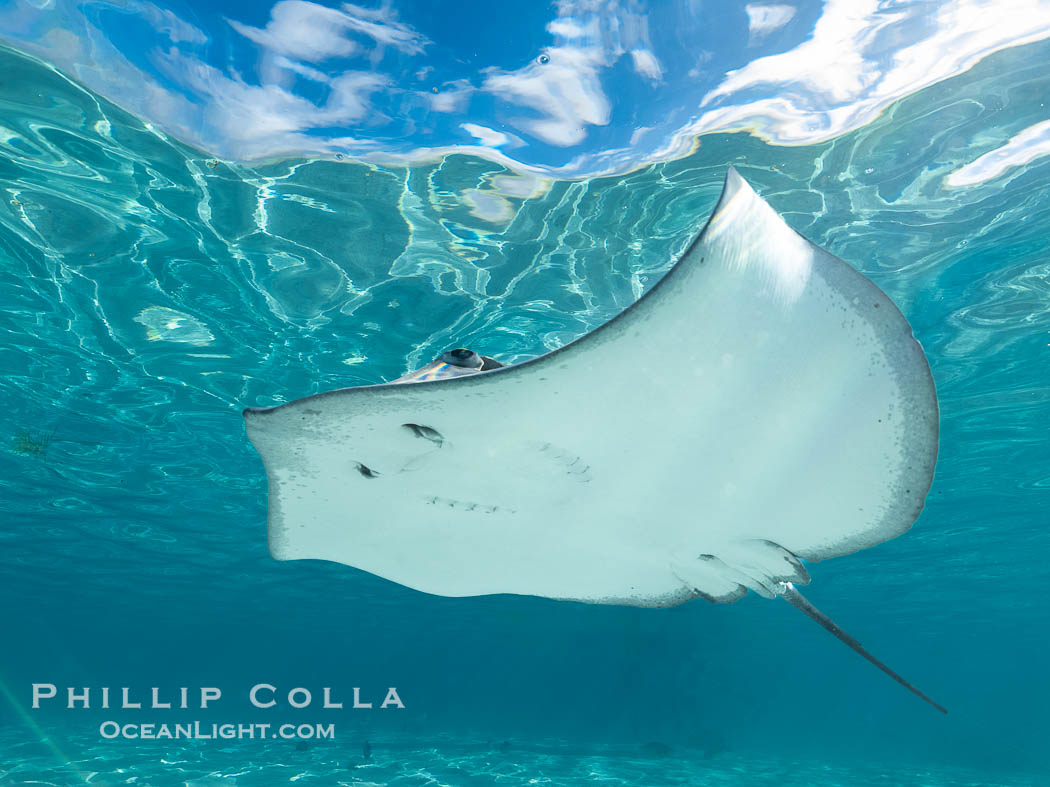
(799, 602)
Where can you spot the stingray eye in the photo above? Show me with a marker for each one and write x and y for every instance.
(461, 356)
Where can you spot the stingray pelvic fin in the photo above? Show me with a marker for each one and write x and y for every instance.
(799, 602)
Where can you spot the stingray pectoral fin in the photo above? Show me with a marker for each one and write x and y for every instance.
(707, 580)
(763, 403)
(799, 602)
(759, 565)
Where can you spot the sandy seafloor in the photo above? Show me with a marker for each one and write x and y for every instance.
(457, 762)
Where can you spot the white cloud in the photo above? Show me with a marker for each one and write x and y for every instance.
(485, 135)
(302, 70)
(313, 32)
(563, 85)
(454, 98)
(380, 25)
(566, 90)
(567, 28)
(764, 19)
(646, 64)
(165, 21)
(244, 114)
(302, 30)
(639, 132)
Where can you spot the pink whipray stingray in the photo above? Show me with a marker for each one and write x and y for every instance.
(762, 405)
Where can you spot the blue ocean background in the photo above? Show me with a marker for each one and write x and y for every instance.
(151, 291)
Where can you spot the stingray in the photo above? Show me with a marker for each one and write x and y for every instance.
(763, 405)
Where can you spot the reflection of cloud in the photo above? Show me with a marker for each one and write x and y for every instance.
(764, 19)
(164, 324)
(1028, 145)
(313, 32)
(521, 185)
(843, 76)
(487, 206)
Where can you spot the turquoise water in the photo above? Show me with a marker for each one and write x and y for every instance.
(151, 292)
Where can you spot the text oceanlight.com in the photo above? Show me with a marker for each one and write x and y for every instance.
(205, 731)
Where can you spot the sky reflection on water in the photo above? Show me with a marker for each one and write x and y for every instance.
(570, 90)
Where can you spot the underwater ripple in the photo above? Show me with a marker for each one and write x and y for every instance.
(151, 292)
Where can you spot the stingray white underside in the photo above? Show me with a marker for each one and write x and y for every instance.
(763, 402)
